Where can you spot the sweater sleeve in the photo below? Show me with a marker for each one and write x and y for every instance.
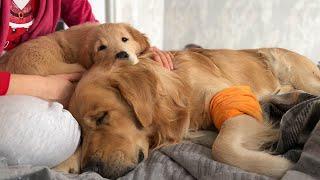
(75, 12)
(4, 82)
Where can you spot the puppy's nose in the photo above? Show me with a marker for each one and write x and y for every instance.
(122, 55)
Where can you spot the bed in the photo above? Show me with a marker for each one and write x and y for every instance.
(296, 114)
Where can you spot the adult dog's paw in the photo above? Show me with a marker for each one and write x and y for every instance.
(71, 165)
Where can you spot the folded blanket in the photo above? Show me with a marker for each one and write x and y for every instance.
(296, 114)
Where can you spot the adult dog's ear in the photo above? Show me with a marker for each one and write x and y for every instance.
(139, 91)
(140, 38)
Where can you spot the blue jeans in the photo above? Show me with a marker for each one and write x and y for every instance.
(36, 132)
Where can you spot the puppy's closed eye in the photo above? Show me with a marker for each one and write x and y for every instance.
(102, 47)
(124, 39)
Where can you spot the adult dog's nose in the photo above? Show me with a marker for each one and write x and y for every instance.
(140, 156)
(95, 166)
(111, 170)
(122, 55)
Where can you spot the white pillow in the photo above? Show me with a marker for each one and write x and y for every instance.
(36, 132)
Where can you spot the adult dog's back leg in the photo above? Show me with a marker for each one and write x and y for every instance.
(293, 69)
(239, 141)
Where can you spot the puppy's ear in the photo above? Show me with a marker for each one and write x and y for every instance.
(86, 53)
(139, 91)
(140, 38)
(86, 56)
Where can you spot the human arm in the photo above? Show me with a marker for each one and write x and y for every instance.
(52, 88)
(74, 12)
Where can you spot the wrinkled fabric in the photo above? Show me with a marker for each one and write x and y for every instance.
(36, 132)
(296, 114)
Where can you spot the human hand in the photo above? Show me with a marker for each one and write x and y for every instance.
(60, 87)
(163, 58)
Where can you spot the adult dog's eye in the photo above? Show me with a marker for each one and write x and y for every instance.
(124, 39)
(102, 47)
(102, 118)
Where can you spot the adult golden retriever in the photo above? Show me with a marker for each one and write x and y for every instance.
(125, 111)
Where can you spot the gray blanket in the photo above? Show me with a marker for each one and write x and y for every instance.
(296, 114)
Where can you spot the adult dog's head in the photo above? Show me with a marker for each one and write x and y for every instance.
(124, 111)
(111, 42)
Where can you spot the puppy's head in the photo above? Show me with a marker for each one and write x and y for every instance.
(123, 114)
(114, 42)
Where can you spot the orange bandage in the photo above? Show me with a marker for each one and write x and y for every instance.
(232, 102)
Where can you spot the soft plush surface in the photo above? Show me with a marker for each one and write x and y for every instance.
(37, 132)
(297, 114)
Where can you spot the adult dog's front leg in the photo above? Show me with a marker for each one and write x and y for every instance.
(238, 144)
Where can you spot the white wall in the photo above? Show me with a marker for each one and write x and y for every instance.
(145, 15)
(171, 24)
(292, 24)
(99, 9)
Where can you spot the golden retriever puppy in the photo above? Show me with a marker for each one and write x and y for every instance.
(74, 49)
(126, 111)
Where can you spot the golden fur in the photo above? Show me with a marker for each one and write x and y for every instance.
(73, 50)
(125, 111)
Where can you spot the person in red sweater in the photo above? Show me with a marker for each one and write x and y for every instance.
(20, 21)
